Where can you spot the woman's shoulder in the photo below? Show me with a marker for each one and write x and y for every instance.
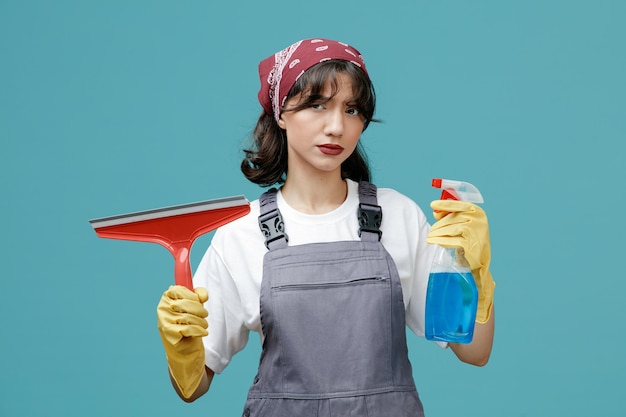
(244, 228)
(399, 208)
(394, 198)
(393, 195)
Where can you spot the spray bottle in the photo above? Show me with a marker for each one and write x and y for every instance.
(452, 296)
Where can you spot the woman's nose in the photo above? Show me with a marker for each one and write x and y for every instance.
(334, 123)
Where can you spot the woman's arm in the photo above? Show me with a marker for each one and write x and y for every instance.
(478, 352)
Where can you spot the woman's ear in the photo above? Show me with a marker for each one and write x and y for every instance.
(281, 123)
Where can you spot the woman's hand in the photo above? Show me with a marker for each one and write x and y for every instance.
(181, 318)
(464, 225)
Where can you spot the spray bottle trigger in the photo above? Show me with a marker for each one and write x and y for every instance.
(449, 194)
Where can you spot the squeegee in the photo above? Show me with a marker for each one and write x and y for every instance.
(175, 227)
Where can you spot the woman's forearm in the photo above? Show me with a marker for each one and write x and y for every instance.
(478, 352)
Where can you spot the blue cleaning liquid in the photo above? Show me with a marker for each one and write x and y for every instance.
(451, 301)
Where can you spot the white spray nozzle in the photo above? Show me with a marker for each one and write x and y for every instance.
(458, 190)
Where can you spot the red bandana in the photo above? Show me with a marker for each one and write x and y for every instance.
(280, 71)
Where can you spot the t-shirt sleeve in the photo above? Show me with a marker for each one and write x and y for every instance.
(227, 331)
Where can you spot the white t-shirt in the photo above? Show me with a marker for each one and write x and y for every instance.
(232, 268)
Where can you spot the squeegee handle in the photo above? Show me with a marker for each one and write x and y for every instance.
(182, 268)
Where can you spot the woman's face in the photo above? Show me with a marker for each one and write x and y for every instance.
(322, 136)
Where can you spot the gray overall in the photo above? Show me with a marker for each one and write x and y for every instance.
(334, 324)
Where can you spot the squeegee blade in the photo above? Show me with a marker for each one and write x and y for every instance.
(207, 205)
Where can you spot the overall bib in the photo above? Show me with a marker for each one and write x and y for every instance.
(334, 323)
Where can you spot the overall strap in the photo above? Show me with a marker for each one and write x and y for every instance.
(271, 221)
(370, 214)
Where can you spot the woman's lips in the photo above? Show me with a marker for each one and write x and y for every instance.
(330, 149)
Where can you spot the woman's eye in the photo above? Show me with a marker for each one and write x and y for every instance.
(317, 106)
(353, 111)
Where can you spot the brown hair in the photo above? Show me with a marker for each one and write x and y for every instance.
(265, 163)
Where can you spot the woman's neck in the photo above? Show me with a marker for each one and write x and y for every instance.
(315, 195)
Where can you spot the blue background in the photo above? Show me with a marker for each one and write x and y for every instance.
(119, 106)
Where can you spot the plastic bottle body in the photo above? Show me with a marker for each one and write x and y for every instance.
(451, 299)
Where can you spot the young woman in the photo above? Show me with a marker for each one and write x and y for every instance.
(328, 268)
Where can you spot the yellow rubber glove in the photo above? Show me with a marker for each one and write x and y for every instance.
(464, 225)
(182, 324)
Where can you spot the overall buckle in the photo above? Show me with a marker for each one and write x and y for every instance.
(272, 226)
(370, 219)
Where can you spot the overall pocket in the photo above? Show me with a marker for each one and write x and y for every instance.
(334, 333)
